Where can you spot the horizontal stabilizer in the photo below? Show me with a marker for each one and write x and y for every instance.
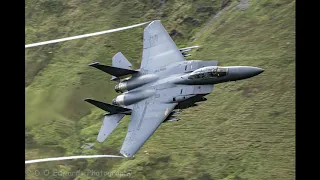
(112, 109)
(110, 123)
(114, 71)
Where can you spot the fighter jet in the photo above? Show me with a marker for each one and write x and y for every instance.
(165, 83)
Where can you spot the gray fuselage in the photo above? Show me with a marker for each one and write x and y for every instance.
(179, 82)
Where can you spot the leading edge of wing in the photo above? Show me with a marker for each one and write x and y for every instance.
(159, 50)
(146, 117)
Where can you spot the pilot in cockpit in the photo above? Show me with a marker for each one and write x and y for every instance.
(208, 72)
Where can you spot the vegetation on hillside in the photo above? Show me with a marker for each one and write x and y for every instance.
(245, 130)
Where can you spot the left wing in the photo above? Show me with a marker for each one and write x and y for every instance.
(146, 117)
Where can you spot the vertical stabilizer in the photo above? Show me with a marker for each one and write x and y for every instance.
(119, 61)
(110, 123)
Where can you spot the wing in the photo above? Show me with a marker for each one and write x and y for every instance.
(146, 117)
(159, 50)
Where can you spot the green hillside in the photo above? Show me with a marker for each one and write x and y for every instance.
(245, 130)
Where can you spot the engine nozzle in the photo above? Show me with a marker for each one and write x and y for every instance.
(136, 82)
(121, 87)
(119, 100)
(132, 97)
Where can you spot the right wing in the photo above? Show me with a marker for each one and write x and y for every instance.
(159, 50)
(146, 117)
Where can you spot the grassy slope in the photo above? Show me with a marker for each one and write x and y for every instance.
(246, 129)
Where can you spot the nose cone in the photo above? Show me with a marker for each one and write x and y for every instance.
(243, 72)
(253, 71)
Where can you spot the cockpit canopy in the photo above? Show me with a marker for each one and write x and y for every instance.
(209, 72)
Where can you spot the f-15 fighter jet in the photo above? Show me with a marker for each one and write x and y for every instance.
(165, 83)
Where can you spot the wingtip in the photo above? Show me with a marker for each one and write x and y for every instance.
(124, 154)
(154, 21)
(94, 63)
(107, 114)
(87, 99)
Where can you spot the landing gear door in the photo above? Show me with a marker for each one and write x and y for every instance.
(186, 90)
(202, 89)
